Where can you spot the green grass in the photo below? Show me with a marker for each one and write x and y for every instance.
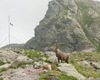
(1, 78)
(59, 75)
(30, 53)
(87, 19)
(1, 63)
(85, 56)
(33, 53)
(87, 72)
(65, 7)
(81, 5)
(63, 76)
(98, 48)
(3, 69)
(90, 56)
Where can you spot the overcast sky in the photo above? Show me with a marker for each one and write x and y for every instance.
(24, 15)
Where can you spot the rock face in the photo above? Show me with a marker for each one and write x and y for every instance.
(76, 23)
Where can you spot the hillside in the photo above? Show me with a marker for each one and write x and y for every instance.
(22, 64)
(14, 46)
(76, 23)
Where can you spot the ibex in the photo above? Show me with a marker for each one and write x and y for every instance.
(61, 55)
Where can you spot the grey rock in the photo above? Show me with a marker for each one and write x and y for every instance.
(49, 54)
(53, 59)
(7, 55)
(41, 64)
(25, 73)
(90, 78)
(72, 22)
(85, 63)
(96, 65)
(70, 70)
(5, 66)
(20, 60)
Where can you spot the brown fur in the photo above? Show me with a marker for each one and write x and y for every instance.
(61, 55)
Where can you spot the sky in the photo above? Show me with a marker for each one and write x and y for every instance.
(25, 15)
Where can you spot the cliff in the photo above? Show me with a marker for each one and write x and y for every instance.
(75, 23)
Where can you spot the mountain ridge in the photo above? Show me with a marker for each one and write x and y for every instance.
(70, 22)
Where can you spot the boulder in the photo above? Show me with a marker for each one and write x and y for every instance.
(96, 65)
(70, 70)
(85, 63)
(53, 59)
(20, 60)
(41, 64)
(49, 54)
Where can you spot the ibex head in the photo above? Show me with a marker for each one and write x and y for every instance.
(56, 46)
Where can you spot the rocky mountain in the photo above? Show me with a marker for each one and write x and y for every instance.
(75, 23)
(14, 46)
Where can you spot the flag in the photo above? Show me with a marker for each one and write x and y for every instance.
(11, 24)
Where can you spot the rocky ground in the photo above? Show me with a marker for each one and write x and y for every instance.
(18, 64)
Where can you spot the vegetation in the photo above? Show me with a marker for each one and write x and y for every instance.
(30, 53)
(74, 59)
(1, 63)
(98, 48)
(87, 19)
(81, 5)
(1, 78)
(89, 56)
(56, 74)
(83, 56)
(33, 53)
(3, 69)
(65, 7)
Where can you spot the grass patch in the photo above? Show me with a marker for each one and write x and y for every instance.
(85, 56)
(87, 19)
(22, 64)
(1, 63)
(81, 5)
(65, 7)
(3, 69)
(98, 48)
(87, 72)
(33, 53)
(1, 78)
(30, 53)
(57, 75)
(80, 56)
(63, 76)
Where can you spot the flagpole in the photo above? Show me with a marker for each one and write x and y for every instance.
(8, 29)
